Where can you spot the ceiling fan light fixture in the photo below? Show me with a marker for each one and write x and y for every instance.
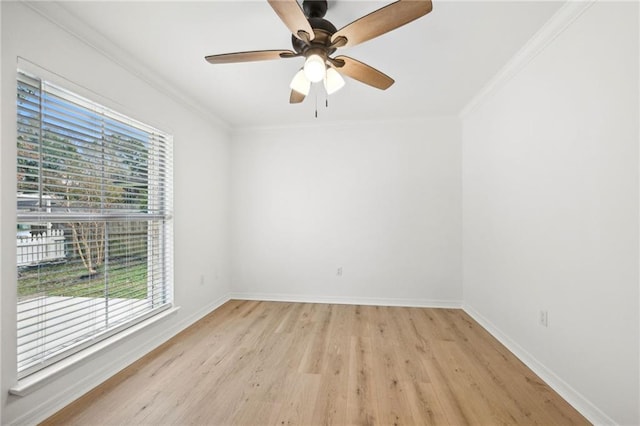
(300, 83)
(333, 81)
(316, 39)
(315, 68)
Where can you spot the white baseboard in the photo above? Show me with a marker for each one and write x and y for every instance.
(343, 300)
(59, 401)
(573, 397)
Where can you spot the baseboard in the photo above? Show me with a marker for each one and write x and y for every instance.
(573, 397)
(343, 300)
(59, 401)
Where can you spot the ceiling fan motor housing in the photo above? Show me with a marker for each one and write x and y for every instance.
(315, 8)
(323, 30)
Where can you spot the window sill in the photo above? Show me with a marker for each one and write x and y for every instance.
(36, 380)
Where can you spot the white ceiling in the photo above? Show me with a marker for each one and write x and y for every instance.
(439, 62)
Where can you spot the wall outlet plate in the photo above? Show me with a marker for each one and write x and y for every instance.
(544, 318)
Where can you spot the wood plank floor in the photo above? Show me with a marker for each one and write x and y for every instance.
(270, 363)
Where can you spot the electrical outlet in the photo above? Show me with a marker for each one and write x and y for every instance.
(544, 318)
(339, 272)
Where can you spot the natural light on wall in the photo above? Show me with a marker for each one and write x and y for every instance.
(94, 226)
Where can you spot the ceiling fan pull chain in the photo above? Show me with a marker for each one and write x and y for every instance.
(316, 96)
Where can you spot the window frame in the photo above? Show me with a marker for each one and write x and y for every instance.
(160, 215)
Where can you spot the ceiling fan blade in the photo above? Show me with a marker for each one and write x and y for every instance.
(293, 17)
(296, 97)
(362, 72)
(382, 21)
(256, 55)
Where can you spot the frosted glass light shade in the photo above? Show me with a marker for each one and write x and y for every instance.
(300, 83)
(314, 68)
(333, 81)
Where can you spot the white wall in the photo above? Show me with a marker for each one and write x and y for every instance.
(2, 210)
(201, 172)
(380, 200)
(550, 211)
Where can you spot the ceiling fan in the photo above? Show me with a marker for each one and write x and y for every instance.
(316, 39)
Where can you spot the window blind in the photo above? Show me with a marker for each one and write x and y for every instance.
(94, 235)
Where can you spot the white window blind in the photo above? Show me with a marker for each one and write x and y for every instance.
(94, 235)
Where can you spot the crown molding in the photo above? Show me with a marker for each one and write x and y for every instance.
(342, 124)
(555, 26)
(57, 14)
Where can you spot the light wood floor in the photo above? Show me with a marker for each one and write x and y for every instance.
(268, 363)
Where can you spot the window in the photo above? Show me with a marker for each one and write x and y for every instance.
(94, 227)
